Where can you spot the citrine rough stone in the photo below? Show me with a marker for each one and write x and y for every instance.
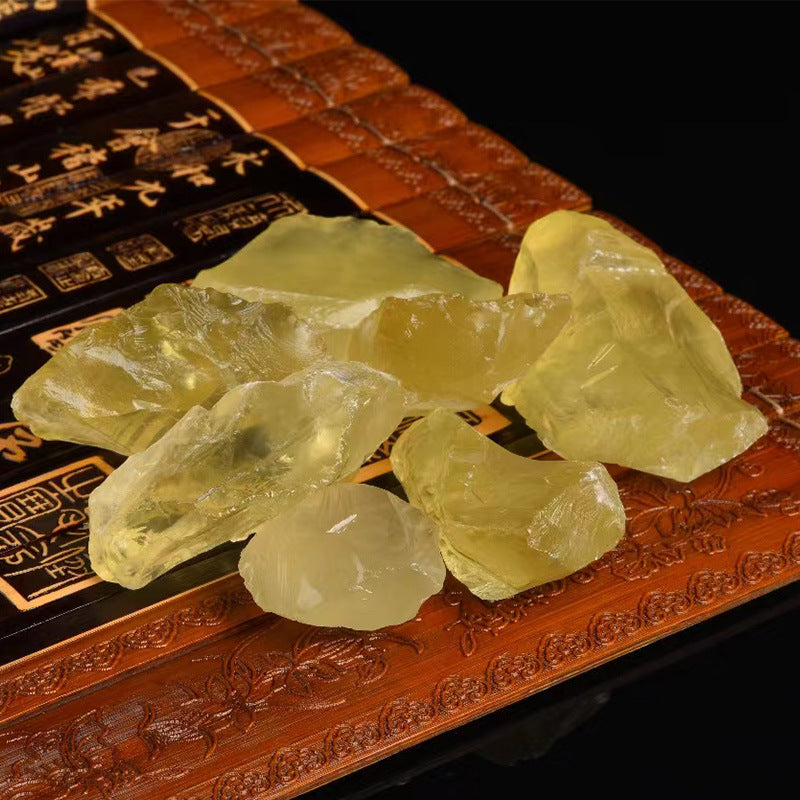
(122, 384)
(559, 246)
(639, 376)
(349, 555)
(506, 523)
(217, 474)
(335, 270)
(453, 352)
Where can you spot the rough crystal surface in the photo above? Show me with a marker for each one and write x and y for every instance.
(122, 384)
(349, 555)
(559, 246)
(507, 523)
(335, 270)
(639, 376)
(219, 473)
(453, 352)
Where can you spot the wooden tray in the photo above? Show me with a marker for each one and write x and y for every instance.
(201, 695)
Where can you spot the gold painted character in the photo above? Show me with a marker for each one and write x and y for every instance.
(95, 205)
(239, 161)
(20, 231)
(196, 120)
(44, 104)
(145, 189)
(79, 155)
(196, 174)
(92, 88)
(29, 173)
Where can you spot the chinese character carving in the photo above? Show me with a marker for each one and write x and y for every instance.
(30, 58)
(44, 534)
(78, 155)
(21, 230)
(196, 120)
(75, 271)
(139, 75)
(10, 7)
(95, 205)
(92, 88)
(29, 173)
(145, 189)
(196, 174)
(90, 33)
(139, 252)
(17, 291)
(255, 211)
(132, 137)
(15, 440)
(44, 104)
(239, 161)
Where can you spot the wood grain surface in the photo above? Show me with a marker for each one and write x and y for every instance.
(204, 696)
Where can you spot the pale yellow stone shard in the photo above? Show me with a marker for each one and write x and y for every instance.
(122, 384)
(506, 523)
(558, 246)
(453, 352)
(217, 474)
(335, 270)
(640, 376)
(349, 555)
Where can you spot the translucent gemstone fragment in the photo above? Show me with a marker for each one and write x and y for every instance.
(121, 384)
(335, 270)
(506, 523)
(639, 376)
(557, 247)
(217, 474)
(453, 352)
(349, 555)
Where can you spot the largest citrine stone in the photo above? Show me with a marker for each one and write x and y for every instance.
(219, 473)
(506, 523)
(122, 384)
(639, 376)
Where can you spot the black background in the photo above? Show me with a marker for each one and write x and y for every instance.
(676, 118)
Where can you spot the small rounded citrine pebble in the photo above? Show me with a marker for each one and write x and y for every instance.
(349, 555)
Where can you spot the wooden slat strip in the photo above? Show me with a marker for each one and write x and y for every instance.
(150, 23)
(392, 115)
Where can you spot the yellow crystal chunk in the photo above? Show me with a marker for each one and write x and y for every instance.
(122, 384)
(453, 352)
(217, 474)
(506, 523)
(557, 247)
(335, 270)
(348, 555)
(640, 376)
